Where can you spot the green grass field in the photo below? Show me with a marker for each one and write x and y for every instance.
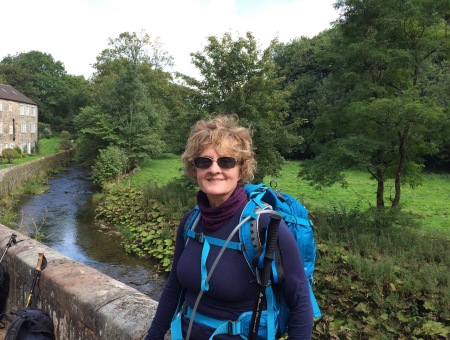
(430, 202)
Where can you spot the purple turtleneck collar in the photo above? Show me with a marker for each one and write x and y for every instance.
(214, 218)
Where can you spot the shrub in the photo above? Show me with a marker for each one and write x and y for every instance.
(10, 154)
(65, 135)
(65, 144)
(111, 163)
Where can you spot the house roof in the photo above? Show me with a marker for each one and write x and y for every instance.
(10, 93)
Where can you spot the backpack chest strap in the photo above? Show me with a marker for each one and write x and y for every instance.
(199, 237)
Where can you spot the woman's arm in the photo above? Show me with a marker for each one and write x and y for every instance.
(171, 294)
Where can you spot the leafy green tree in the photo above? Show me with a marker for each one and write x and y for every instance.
(379, 113)
(305, 63)
(136, 48)
(237, 77)
(137, 125)
(95, 132)
(45, 81)
(78, 95)
(127, 87)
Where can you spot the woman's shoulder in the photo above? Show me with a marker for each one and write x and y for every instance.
(185, 219)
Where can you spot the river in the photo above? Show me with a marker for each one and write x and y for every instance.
(64, 214)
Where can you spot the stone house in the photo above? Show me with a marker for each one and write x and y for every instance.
(18, 120)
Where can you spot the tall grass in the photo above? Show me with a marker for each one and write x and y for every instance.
(429, 203)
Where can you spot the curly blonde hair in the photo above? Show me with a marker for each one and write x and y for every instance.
(224, 134)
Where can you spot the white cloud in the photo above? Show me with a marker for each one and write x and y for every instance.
(75, 32)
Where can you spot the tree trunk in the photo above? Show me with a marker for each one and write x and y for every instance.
(401, 167)
(380, 189)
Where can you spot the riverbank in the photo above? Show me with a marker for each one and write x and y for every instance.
(65, 215)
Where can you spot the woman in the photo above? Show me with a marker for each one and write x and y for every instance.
(219, 158)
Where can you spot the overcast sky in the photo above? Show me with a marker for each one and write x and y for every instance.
(74, 32)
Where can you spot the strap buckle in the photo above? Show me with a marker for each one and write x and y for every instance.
(199, 237)
(234, 327)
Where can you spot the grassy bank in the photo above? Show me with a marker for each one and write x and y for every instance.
(47, 147)
(428, 202)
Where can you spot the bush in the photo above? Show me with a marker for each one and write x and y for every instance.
(65, 135)
(110, 164)
(10, 154)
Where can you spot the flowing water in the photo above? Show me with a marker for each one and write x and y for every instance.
(65, 215)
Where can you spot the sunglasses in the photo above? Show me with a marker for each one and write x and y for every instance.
(223, 162)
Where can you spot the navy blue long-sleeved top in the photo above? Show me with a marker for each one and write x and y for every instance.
(232, 286)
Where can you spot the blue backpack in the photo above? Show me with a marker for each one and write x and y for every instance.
(295, 215)
(262, 199)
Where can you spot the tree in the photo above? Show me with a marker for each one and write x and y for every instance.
(137, 125)
(305, 64)
(45, 81)
(95, 132)
(237, 77)
(379, 112)
(128, 112)
(136, 48)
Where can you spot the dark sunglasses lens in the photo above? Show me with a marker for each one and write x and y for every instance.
(226, 162)
(202, 162)
(223, 162)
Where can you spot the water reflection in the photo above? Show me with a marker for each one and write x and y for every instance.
(65, 214)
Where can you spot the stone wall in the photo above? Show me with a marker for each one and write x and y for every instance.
(83, 302)
(18, 174)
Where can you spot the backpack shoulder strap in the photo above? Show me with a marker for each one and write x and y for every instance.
(250, 232)
(191, 222)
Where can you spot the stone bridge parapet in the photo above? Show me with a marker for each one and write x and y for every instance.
(84, 303)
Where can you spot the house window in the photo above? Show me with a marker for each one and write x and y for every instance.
(23, 147)
(1, 128)
(27, 110)
(33, 128)
(6, 145)
(23, 127)
(11, 129)
(33, 111)
(11, 145)
(1, 107)
(10, 107)
(22, 110)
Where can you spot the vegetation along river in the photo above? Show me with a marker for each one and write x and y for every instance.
(65, 215)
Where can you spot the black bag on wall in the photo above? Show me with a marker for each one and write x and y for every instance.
(31, 324)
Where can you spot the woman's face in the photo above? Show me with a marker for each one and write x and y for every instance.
(217, 183)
